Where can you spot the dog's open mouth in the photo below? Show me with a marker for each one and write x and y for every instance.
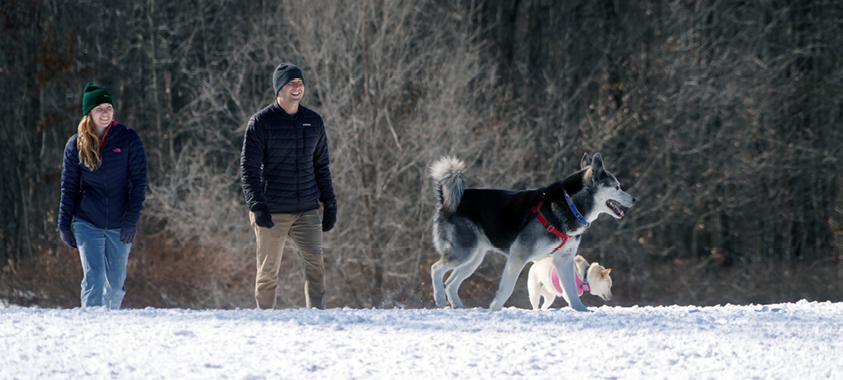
(615, 206)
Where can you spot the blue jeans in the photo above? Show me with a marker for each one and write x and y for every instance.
(104, 258)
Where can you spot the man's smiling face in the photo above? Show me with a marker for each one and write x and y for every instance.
(291, 93)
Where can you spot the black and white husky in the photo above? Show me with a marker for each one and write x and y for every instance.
(523, 225)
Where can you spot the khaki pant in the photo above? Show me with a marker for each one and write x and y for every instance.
(306, 231)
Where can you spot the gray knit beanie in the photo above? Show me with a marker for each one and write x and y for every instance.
(285, 73)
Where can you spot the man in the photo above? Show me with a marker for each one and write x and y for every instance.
(284, 172)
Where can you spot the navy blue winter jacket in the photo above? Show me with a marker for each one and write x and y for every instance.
(111, 194)
(284, 162)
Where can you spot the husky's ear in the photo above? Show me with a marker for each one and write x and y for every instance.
(605, 273)
(597, 166)
(586, 161)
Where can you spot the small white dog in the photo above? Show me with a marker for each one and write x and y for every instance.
(543, 281)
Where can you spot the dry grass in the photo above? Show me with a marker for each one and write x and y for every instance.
(164, 275)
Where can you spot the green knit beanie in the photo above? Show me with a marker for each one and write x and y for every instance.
(94, 96)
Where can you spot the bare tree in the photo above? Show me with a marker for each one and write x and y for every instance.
(721, 117)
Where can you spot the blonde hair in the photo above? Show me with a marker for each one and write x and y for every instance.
(88, 143)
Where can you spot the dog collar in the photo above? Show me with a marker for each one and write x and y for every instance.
(582, 286)
(574, 209)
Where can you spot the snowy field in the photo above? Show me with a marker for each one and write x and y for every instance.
(800, 340)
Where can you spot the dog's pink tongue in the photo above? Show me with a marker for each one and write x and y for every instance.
(615, 207)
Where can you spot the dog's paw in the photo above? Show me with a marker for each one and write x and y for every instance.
(439, 299)
(584, 310)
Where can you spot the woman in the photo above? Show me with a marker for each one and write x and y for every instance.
(103, 186)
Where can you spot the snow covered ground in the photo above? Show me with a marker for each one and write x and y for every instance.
(802, 340)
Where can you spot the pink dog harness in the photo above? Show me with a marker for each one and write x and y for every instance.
(581, 286)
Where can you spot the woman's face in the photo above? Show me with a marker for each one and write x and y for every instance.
(102, 115)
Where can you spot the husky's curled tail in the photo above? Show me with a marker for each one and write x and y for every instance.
(448, 183)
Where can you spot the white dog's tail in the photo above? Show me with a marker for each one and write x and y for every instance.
(449, 182)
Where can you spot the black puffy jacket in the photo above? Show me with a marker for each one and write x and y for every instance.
(284, 162)
(111, 194)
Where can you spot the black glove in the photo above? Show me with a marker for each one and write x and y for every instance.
(329, 217)
(128, 231)
(68, 238)
(262, 216)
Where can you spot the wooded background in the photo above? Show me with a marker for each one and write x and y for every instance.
(723, 118)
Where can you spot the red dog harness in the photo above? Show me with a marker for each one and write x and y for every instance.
(550, 228)
(553, 276)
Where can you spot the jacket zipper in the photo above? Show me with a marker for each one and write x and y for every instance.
(104, 183)
(296, 128)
